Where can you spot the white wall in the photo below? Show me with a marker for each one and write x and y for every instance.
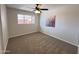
(67, 24)
(0, 32)
(16, 29)
(3, 27)
(0, 37)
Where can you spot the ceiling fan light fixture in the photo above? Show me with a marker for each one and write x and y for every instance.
(37, 11)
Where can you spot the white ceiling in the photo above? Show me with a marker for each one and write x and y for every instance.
(30, 7)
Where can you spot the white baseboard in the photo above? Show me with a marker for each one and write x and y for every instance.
(61, 39)
(22, 34)
(78, 49)
(46, 34)
(5, 47)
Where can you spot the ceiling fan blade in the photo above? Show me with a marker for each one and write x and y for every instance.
(43, 9)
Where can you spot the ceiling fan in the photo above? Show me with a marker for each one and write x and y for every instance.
(38, 8)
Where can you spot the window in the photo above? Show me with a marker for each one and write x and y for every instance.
(25, 19)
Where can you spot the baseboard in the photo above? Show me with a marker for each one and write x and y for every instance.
(61, 39)
(5, 47)
(22, 34)
(78, 49)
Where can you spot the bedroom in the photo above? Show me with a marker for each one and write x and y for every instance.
(37, 35)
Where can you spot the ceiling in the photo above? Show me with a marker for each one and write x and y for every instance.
(30, 7)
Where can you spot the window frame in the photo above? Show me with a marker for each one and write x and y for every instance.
(32, 17)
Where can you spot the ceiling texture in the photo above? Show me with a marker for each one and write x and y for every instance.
(30, 7)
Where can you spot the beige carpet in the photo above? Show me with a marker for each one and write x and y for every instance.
(39, 43)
